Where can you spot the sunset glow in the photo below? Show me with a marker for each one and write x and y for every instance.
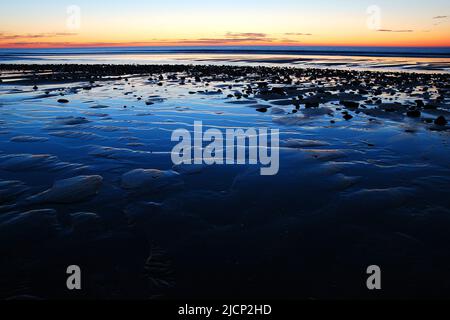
(48, 23)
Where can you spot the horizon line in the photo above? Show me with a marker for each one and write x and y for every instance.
(131, 45)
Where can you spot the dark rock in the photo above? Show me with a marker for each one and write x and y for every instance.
(350, 104)
(348, 117)
(63, 101)
(309, 105)
(414, 113)
(363, 91)
(431, 107)
(440, 121)
(278, 90)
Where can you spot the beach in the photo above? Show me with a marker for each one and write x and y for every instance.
(398, 59)
(86, 175)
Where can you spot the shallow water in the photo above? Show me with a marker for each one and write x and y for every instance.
(372, 190)
(423, 60)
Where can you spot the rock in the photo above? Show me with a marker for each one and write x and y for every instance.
(262, 110)
(414, 113)
(150, 180)
(392, 107)
(278, 90)
(350, 104)
(431, 107)
(309, 105)
(71, 190)
(63, 101)
(348, 117)
(420, 103)
(440, 121)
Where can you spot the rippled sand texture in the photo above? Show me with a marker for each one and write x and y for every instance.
(86, 178)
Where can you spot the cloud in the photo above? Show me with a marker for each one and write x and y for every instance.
(245, 35)
(390, 30)
(439, 20)
(298, 34)
(5, 36)
(30, 43)
(224, 40)
(229, 38)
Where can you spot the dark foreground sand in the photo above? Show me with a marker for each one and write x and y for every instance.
(86, 178)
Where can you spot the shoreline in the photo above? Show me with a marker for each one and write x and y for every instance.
(402, 96)
(80, 72)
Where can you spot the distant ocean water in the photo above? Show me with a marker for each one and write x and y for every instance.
(415, 59)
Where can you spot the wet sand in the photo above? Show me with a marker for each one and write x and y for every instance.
(85, 172)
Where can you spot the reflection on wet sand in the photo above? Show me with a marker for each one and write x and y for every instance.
(86, 174)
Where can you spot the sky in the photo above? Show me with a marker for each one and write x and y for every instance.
(86, 23)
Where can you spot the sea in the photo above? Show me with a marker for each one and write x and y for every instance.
(405, 59)
(87, 176)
